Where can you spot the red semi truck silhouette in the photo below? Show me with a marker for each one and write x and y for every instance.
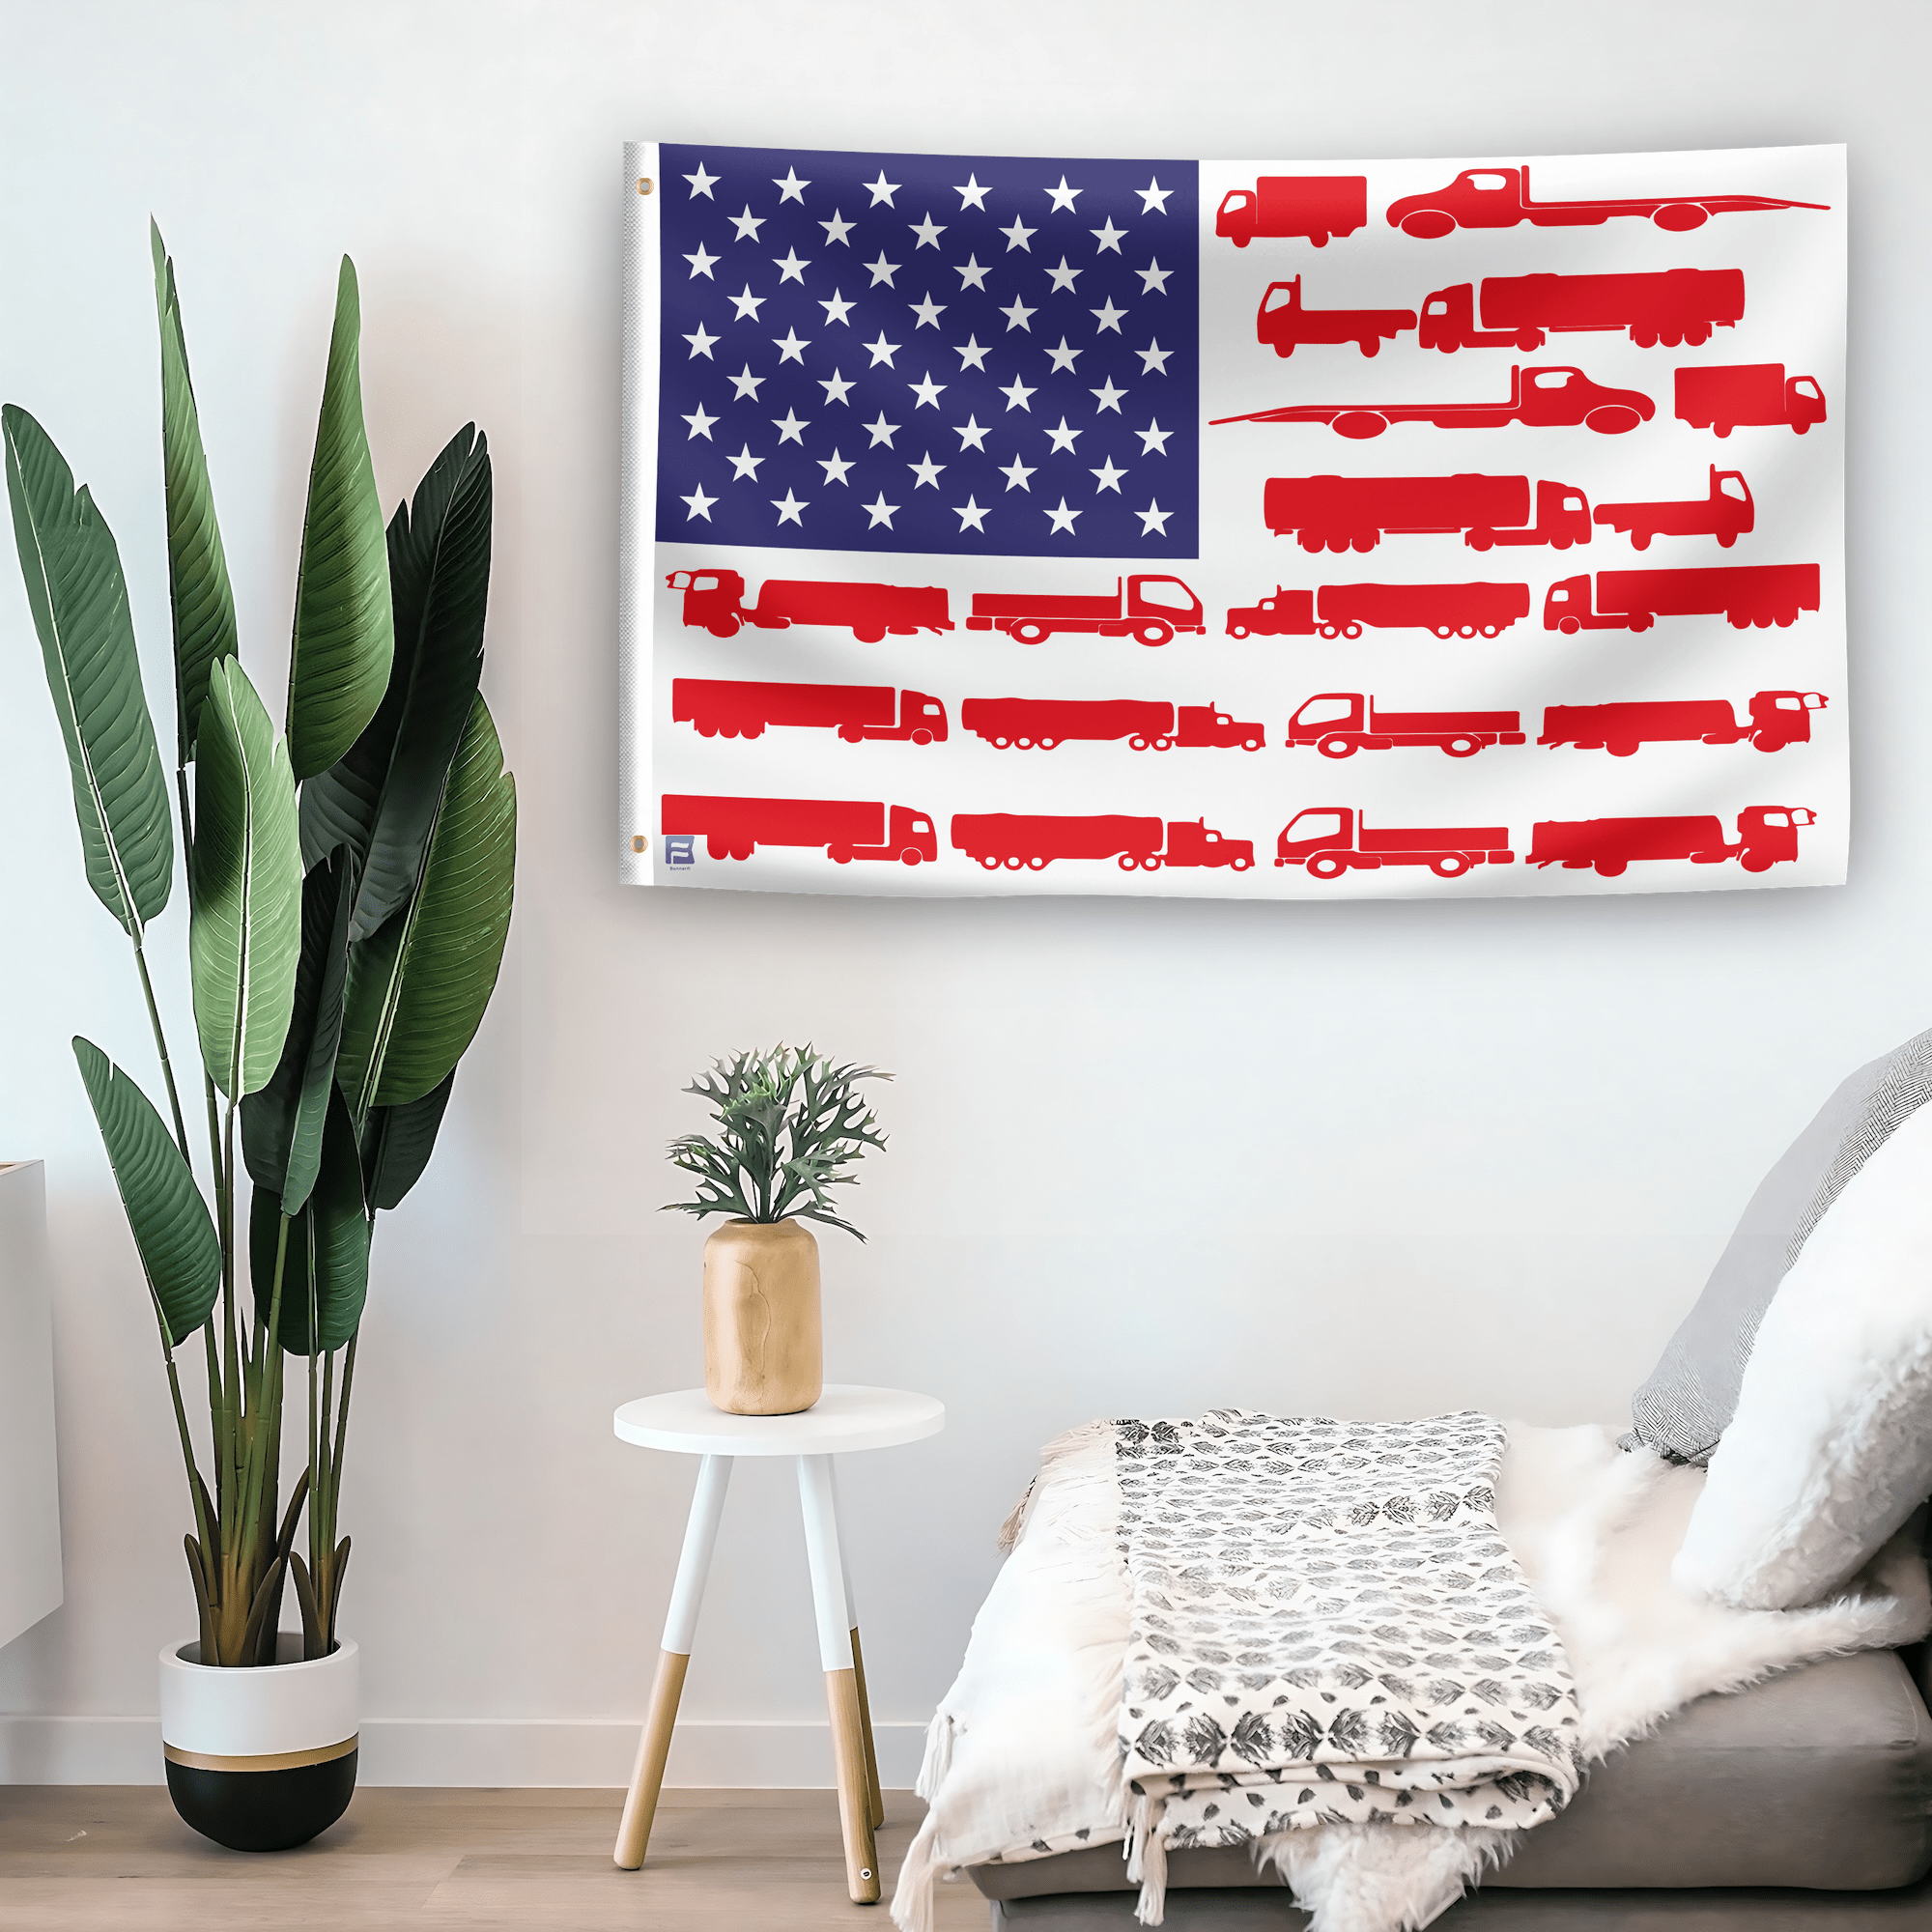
(734, 828)
(1755, 395)
(1284, 325)
(1778, 719)
(726, 707)
(1555, 397)
(1343, 610)
(1339, 723)
(1150, 608)
(1313, 207)
(1673, 307)
(714, 600)
(1767, 836)
(1330, 839)
(1501, 198)
(1724, 512)
(1340, 511)
(1632, 600)
(1032, 841)
(1145, 724)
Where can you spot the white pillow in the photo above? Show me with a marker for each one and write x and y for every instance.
(1831, 1448)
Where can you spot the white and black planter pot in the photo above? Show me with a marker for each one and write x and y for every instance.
(261, 1759)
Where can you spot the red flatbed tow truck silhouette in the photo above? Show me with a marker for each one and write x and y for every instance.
(1552, 397)
(1501, 198)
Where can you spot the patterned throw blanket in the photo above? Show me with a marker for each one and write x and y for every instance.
(1327, 1628)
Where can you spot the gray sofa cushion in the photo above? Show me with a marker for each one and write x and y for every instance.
(1693, 1392)
(1819, 1779)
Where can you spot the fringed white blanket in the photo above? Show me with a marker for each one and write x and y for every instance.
(1024, 1757)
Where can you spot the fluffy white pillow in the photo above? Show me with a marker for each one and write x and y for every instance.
(1831, 1448)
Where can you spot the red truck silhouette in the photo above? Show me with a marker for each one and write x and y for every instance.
(1032, 841)
(1043, 723)
(1724, 512)
(1632, 600)
(1149, 608)
(1767, 835)
(1555, 397)
(1313, 207)
(714, 600)
(1756, 395)
(726, 707)
(1330, 839)
(1778, 719)
(1341, 609)
(734, 828)
(1339, 723)
(1673, 307)
(1284, 325)
(1339, 511)
(1500, 198)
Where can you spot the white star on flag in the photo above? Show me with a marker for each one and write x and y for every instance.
(836, 230)
(1063, 198)
(880, 511)
(1107, 316)
(835, 466)
(926, 472)
(928, 391)
(1109, 237)
(744, 464)
(928, 232)
(788, 507)
(928, 312)
(1153, 439)
(882, 351)
(701, 264)
(790, 268)
(1153, 278)
(1016, 473)
(972, 195)
(970, 356)
(1016, 315)
(882, 270)
(702, 183)
(1062, 438)
(1061, 519)
(971, 435)
(882, 189)
(789, 428)
(1110, 477)
(1153, 357)
(1110, 397)
(746, 384)
(748, 305)
(699, 503)
(1063, 277)
(1153, 518)
(701, 340)
(971, 274)
(1016, 393)
(701, 423)
(837, 308)
(834, 390)
(1016, 236)
(1153, 201)
(790, 348)
(882, 431)
(1063, 357)
(747, 225)
(792, 188)
(970, 516)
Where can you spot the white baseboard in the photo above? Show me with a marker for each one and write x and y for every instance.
(480, 1751)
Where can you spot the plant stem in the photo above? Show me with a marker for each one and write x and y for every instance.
(162, 1047)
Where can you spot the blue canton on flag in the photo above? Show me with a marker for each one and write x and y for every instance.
(955, 355)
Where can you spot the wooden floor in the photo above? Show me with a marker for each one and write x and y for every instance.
(74, 1858)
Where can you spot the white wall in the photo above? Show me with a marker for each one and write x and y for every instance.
(1375, 1159)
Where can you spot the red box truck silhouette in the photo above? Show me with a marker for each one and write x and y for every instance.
(1501, 198)
(1032, 841)
(1343, 511)
(734, 828)
(1330, 839)
(1555, 397)
(1726, 511)
(1311, 207)
(1778, 719)
(1767, 836)
(714, 600)
(718, 707)
(1339, 723)
(1632, 600)
(1148, 607)
(1145, 724)
(1755, 395)
(1283, 324)
(1344, 610)
(1673, 307)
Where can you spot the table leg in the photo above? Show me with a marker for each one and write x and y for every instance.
(700, 1537)
(820, 1511)
(878, 1796)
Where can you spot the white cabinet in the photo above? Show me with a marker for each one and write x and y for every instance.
(30, 1549)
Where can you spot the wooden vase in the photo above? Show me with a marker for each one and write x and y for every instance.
(764, 1349)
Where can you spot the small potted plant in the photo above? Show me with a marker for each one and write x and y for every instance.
(791, 1125)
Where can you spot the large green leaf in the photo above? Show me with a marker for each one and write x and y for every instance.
(244, 930)
(327, 1262)
(79, 601)
(281, 1124)
(180, 1253)
(198, 589)
(418, 989)
(398, 1141)
(345, 635)
(381, 797)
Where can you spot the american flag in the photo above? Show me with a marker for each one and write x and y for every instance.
(957, 354)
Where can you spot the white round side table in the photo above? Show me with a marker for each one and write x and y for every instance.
(844, 1419)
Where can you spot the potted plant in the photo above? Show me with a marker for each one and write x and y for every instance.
(790, 1126)
(348, 893)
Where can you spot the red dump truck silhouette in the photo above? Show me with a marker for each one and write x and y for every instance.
(714, 600)
(1501, 198)
(1150, 608)
(1344, 610)
(1767, 836)
(1754, 395)
(1339, 723)
(718, 707)
(734, 828)
(1778, 719)
(1030, 842)
(1285, 326)
(1555, 397)
(1726, 511)
(1673, 307)
(1339, 512)
(1330, 839)
(1145, 724)
(1312, 207)
(1632, 600)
